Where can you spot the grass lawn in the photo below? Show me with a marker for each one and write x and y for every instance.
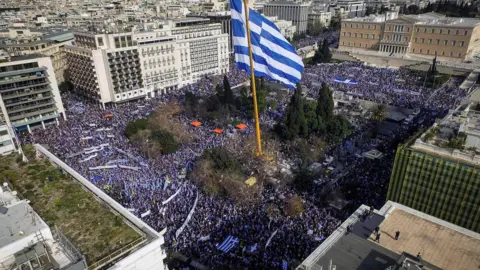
(62, 201)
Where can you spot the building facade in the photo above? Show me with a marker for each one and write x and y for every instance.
(426, 35)
(49, 42)
(118, 67)
(353, 9)
(289, 11)
(432, 177)
(287, 29)
(322, 17)
(29, 93)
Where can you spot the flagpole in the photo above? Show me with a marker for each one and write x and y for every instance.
(254, 90)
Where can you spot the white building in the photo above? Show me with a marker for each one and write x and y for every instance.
(116, 67)
(322, 17)
(29, 96)
(286, 27)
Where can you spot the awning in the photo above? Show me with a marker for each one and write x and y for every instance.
(241, 126)
(196, 123)
(218, 131)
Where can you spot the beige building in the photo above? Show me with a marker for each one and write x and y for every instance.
(456, 39)
(49, 42)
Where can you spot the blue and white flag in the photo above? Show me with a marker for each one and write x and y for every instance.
(274, 58)
(284, 265)
(229, 243)
(347, 81)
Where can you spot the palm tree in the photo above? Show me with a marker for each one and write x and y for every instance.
(379, 113)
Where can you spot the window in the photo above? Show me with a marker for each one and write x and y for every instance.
(424, 30)
(438, 41)
(448, 32)
(367, 35)
(441, 30)
(421, 50)
(466, 33)
(361, 35)
(433, 30)
(454, 42)
(355, 35)
(428, 51)
(451, 53)
(360, 45)
(349, 34)
(373, 36)
(418, 29)
(443, 53)
(423, 40)
(457, 32)
(459, 54)
(430, 41)
(343, 33)
(413, 50)
(445, 42)
(100, 41)
(462, 43)
(415, 40)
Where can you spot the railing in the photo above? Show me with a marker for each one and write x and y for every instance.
(70, 250)
(116, 254)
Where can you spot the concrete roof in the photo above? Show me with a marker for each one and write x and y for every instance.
(18, 222)
(445, 247)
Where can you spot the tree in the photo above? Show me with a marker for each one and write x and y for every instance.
(337, 129)
(318, 56)
(327, 55)
(379, 113)
(309, 109)
(229, 98)
(413, 9)
(191, 103)
(220, 94)
(294, 206)
(295, 124)
(315, 29)
(325, 104)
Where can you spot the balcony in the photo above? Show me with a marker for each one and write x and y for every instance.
(33, 99)
(26, 93)
(30, 107)
(30, 114)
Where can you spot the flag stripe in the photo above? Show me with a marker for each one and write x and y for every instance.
(275, 67)
(273, 57)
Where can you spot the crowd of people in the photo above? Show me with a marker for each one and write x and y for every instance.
(332, 37)
(158, 189)
(396, 87)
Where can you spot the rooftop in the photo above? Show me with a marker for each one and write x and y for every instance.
(61, 201)
(446, 247)
(441, 245)
(456, 135)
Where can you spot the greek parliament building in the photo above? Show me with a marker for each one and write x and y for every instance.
(417, 35)
(438, 172)
(116, 65)
(29, 96)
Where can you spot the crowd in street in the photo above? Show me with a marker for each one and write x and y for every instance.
(158, 190)
(332, 37)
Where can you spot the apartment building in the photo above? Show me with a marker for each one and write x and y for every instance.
(116, 67)
(29, 93)
(434, 175)
(289, 11)
(426, 35)
(48, 42)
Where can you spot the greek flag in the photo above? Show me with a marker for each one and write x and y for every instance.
(284, 265)
(227, 244)
(347, 81)
(274, 58)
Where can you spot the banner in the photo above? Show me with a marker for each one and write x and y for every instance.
(102, 167)
(88, 158)
(271, 237)
(145, 214)
(180, 230)
(171, 197)
(128, 167)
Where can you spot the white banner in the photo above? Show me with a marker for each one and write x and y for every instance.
(103, 167)
(271, 237)
(171, 197)
(145, 214)
(128, 167)
(180, 230)
(88, 158)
